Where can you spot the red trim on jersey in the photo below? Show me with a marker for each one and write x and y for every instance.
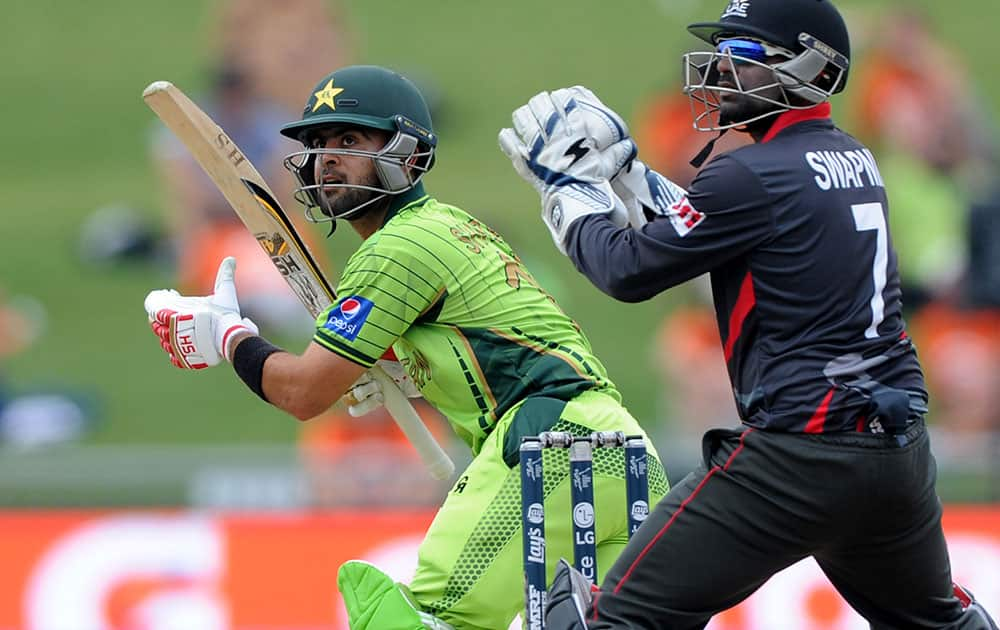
(963, 595)
(744, 304)
(795, 116)
(815, 424)
(673, 518)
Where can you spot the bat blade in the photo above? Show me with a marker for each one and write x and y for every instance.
(256, 205)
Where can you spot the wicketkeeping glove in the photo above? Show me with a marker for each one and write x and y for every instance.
(197, 332)
(638, 186)
(562, 164)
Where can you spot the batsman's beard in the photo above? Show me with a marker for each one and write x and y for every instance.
(340, 200)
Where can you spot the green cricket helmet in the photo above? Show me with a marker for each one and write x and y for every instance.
(365, 96)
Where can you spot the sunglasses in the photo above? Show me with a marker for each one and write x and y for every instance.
(749, 49)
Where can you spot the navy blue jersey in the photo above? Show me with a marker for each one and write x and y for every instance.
(794, 232)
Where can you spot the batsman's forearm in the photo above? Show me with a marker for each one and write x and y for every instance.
(307, 385)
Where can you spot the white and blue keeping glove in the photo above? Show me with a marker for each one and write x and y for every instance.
(197, 332)
(638, 186)
(561, 163)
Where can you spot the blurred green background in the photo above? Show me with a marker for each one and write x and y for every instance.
(75, 136)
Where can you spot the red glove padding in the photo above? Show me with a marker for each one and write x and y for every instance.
(197, 332)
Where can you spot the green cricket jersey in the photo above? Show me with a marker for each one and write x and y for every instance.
(464, 316)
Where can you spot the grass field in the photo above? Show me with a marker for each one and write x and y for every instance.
(75, 138)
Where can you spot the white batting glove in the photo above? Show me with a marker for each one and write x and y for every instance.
(638, 186)
(197, 332)
(365, 396)
(563, 166)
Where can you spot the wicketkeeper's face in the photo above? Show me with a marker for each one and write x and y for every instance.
(753, 85)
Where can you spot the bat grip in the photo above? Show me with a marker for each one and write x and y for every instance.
(399, 407)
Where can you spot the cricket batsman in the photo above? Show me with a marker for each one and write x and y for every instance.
(473, 332)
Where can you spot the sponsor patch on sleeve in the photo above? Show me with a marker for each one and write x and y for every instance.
(349, 316)
(684, 217)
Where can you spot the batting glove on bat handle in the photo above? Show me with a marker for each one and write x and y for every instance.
(364, 397)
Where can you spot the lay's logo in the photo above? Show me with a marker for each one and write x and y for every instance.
(349, 316)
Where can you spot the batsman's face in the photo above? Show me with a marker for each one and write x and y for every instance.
(347, 171)
(747, 77)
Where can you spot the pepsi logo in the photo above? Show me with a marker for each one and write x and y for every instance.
(349, 316)
(349, 308)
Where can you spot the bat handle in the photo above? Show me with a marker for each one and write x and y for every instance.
(399, 407)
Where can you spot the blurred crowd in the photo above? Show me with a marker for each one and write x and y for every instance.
(914, 103)
(38, 414)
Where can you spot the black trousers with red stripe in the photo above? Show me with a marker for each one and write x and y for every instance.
(864, 506)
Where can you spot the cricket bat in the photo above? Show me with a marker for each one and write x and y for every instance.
(257, 207)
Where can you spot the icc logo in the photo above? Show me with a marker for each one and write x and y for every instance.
(535, 513)
(640, 510)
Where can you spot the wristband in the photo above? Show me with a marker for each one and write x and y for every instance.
(248, 361)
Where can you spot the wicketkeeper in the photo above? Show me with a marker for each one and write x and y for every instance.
(833, 459)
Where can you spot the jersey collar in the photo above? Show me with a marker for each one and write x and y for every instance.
(795, 116)
(403, 200)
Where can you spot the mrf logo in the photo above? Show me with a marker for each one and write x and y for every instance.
(737, 8)
(350, 315)
(684, 217)
(536, 606)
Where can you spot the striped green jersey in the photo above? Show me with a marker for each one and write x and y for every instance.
(472, 327)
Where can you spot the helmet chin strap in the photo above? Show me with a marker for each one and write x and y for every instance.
(706, 151)
(354, 212)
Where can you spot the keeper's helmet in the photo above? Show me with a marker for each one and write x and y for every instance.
(365, 96)
(809, 36)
